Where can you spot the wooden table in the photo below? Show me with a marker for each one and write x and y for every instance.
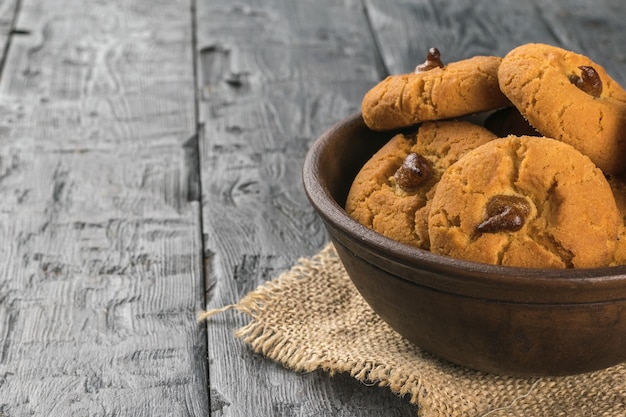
(150, 156)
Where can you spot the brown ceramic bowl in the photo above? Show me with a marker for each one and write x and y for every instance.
(516, 321)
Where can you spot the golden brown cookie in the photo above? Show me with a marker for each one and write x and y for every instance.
(527, 202)
(568, 97)
(391, 193)
(618, 186)
(459, 88)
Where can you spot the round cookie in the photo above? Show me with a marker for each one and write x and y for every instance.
(568, 97)
(459, 88)
(527, 202)
(389, 195)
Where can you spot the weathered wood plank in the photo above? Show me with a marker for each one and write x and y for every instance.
(100, 273)
(595, 29)
(8, 12)
(405, 29)
(273, 75)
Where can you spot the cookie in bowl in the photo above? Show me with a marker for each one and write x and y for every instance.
(434, 91)
(569, 97)
(392, 191)
(525, 202)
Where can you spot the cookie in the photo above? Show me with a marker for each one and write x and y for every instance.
(527, 202)
(457, 89)
(618, 186)
(391, 192)
(568, 97)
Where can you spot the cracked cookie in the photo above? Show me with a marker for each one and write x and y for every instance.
(568, 97)
(433, 92)
(527, 202)
(392, 191)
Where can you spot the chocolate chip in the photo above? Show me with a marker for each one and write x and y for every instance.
(433, 60)
(589, 81)
(504, 213)
(415, 171)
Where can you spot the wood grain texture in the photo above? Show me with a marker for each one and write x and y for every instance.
(105, 211)
(8, 13)
(100, 273)
(405, 29)
(272, 76)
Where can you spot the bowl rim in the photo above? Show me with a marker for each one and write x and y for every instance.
(610, 281)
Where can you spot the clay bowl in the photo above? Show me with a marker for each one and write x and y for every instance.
(504, 320)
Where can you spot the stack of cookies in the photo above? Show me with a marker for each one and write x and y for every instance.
(537, 184)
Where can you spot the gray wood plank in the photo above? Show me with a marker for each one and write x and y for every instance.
(272, 76)
(8, 12)
(100, 273)
(595, 29)
(405, 29)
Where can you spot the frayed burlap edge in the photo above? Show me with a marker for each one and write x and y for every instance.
(265, 340)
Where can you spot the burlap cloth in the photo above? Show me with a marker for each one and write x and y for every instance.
(312, 317)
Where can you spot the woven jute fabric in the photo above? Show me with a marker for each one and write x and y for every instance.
(312, 317)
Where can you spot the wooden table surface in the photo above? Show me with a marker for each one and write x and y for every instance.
(150, 157)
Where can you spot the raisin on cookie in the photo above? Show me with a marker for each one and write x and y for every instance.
(434, 92)
(568, 97)
(391, 192)
(527, 202)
